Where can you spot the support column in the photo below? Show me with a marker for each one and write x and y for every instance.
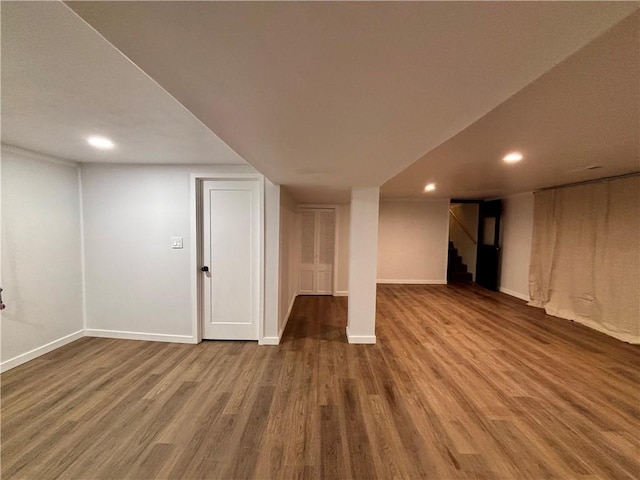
(363, 264)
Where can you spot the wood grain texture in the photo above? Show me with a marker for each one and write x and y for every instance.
(463, 383)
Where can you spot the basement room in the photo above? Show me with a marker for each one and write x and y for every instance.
(320, 240)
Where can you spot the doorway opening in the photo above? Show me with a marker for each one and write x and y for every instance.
(463, 242)
(474, 242)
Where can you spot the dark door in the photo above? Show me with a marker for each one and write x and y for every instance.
(488, 259)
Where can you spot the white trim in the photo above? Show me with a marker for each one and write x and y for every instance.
(37, 352)
(513, 293)
(269, 341)
(363, 339)
(262, 252)
(152, 337)
(1, 230)
(196, 246)
(38, 156)
(341, 293)
(194, 217)
(412, 282)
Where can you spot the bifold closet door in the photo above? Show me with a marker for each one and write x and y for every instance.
(317, 251)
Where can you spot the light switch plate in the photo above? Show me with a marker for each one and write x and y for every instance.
(176, 242)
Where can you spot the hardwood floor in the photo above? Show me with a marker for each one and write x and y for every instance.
(462, 383)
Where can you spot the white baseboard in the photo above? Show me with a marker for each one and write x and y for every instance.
(341, 293)
(513, 293)
(276, 340)
(412, 282)
(365, 339)
(152, 337)
(37, 352)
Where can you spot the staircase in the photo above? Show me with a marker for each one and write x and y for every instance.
(457, 270)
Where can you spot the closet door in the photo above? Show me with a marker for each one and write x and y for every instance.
(325, 228)
(307, 252)
(317, 251)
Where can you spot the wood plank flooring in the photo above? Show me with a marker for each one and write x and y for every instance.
(463, 383)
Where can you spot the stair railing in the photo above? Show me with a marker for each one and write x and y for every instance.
(455, 217)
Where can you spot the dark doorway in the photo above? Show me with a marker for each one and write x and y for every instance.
(488, 259)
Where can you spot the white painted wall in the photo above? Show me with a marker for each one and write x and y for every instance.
(41, 256)
(467, 215)
(363, 254)
(272, 263)
(342, 287)
(289, 257)
(413, 241)
(137, 286)
(517, 233)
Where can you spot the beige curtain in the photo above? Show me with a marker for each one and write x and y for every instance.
(585, 255)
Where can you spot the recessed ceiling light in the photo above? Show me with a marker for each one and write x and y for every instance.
(102, 143)
(430, 187)
(513, 157)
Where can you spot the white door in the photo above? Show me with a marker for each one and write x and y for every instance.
(317, 251)
(231, 254)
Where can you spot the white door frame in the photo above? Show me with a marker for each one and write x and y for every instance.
(336, 236)
(195, 192)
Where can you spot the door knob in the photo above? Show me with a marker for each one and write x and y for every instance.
(2, 305)
(205, 269)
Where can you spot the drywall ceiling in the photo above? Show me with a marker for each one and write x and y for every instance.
(62, 82)
(583, 113)
(320, 96)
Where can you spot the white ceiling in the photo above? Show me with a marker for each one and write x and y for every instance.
(322, 96)
(62, 82)
(584, 112)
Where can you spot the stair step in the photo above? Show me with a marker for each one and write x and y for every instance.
(457, 270)
(455, 277)
(460, 268)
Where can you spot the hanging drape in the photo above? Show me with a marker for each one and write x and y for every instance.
(585, 255)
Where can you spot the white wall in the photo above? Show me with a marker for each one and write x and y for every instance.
(413, 241)
(272, 263)
(41, 256)
(517, 233)
(467, 215)
(342, 287)
(137, 285)
(289, 257)
(363, 251)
